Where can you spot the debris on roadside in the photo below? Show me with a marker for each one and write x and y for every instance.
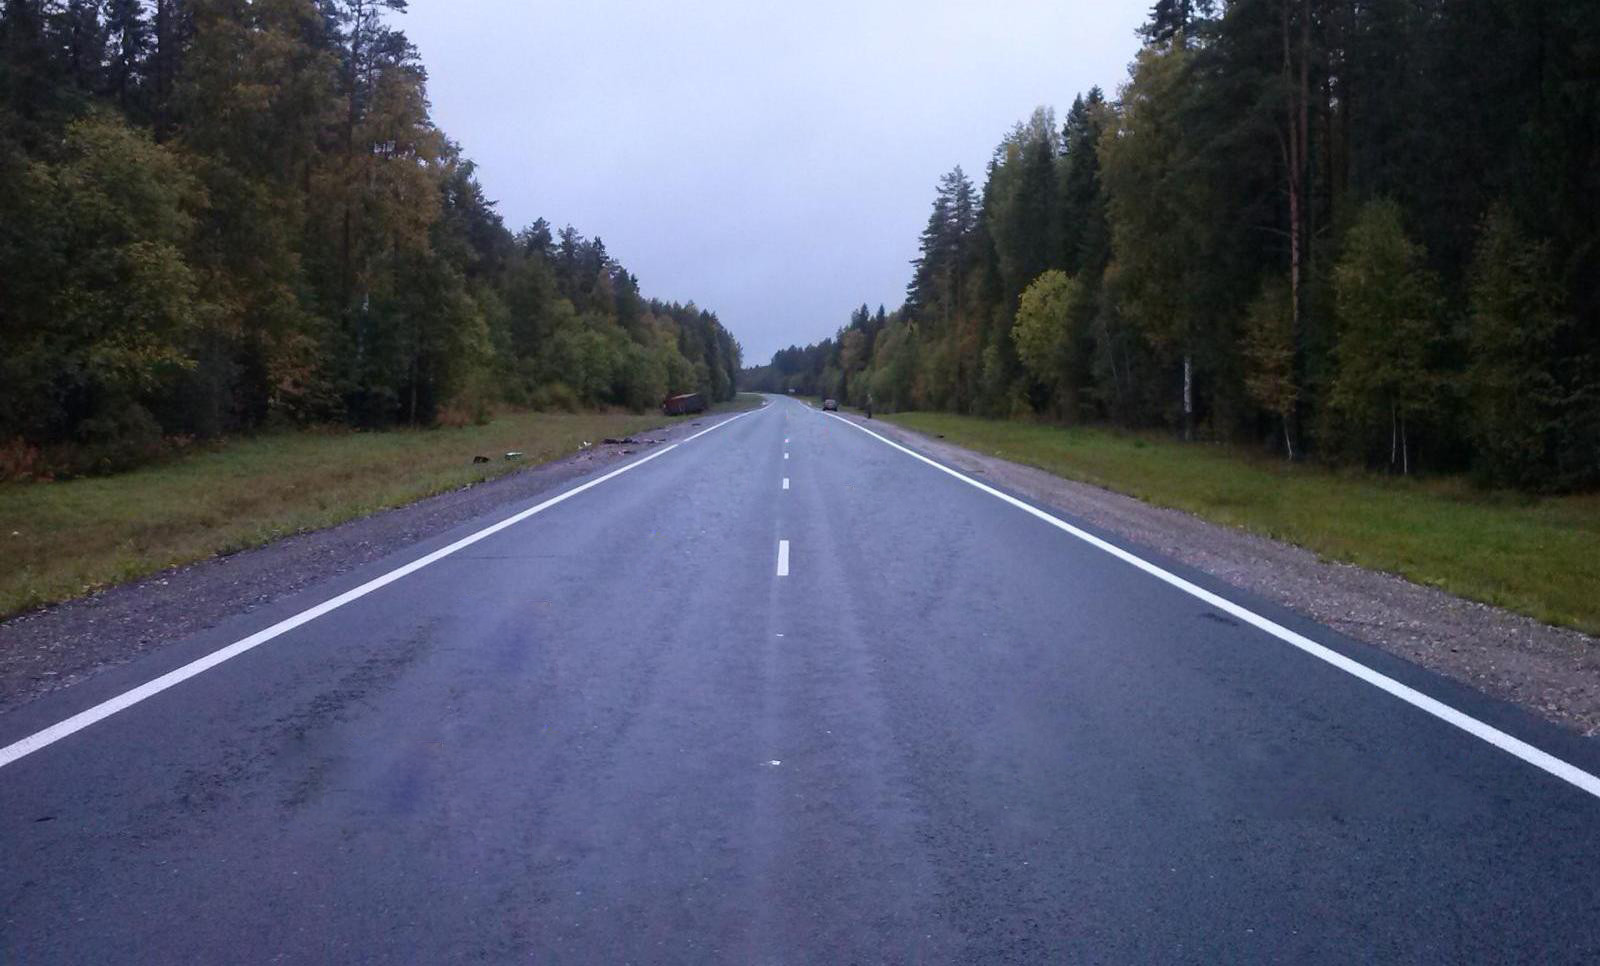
(513, 456)
(480, 459)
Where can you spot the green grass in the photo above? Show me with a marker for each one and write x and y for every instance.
(66, 539)
(739, 403)
(1540, 557)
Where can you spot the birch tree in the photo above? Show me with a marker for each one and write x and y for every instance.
(1389, 327)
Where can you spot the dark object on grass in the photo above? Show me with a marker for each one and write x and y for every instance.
(480, 459)
(830, 405)
(689, 402)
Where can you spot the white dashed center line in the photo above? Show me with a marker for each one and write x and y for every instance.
(785, 482)
(783, 558)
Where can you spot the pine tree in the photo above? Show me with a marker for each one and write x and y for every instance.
(82, 35)
(1024, 222)
(923, 294)
(935, 287)
(1513, 330)
(1085, 242)
(1169, 18)
(170, 29)
(31, 85)
(128, 33)
(1160, 223)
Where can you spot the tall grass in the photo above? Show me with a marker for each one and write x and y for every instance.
(64, 539)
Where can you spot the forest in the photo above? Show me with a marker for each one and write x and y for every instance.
(1364, 233)
(227, 216)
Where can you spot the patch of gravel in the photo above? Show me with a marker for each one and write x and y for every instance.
(1552, 671)
(51, 648)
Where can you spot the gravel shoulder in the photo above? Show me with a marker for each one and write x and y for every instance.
(1554, 672)
(57, 646)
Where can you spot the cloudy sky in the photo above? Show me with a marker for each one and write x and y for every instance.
(773, 162)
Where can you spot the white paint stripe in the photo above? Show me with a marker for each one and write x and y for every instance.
(1542, 760)
(783, 558)
(785, 482)
(109, 707)
(785, 455)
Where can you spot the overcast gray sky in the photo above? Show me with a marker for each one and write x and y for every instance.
(773, 162)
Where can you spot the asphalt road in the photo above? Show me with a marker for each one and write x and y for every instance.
(612, 732)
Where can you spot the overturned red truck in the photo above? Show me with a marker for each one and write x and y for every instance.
(682, 405)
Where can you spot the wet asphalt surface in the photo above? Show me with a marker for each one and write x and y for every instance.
(610, 733)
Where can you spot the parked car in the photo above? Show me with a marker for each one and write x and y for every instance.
(689, 402)
(830, 405)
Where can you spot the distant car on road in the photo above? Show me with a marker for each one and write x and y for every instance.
(830, 405)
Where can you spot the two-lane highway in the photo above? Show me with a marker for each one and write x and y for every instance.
(786, 693)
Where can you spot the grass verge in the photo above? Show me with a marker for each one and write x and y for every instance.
(1536, 556)
(739, 403)
(63, 540)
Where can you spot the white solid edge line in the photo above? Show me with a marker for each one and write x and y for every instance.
(783, 558)
(105, 709)
(1542, 760)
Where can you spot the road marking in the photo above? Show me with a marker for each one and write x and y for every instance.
(785, 482)
(105, 709)
(785, 455)
(783, 558)
(1566, 771)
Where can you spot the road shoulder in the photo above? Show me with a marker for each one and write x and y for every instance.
(1553, 672)
(54, 647)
